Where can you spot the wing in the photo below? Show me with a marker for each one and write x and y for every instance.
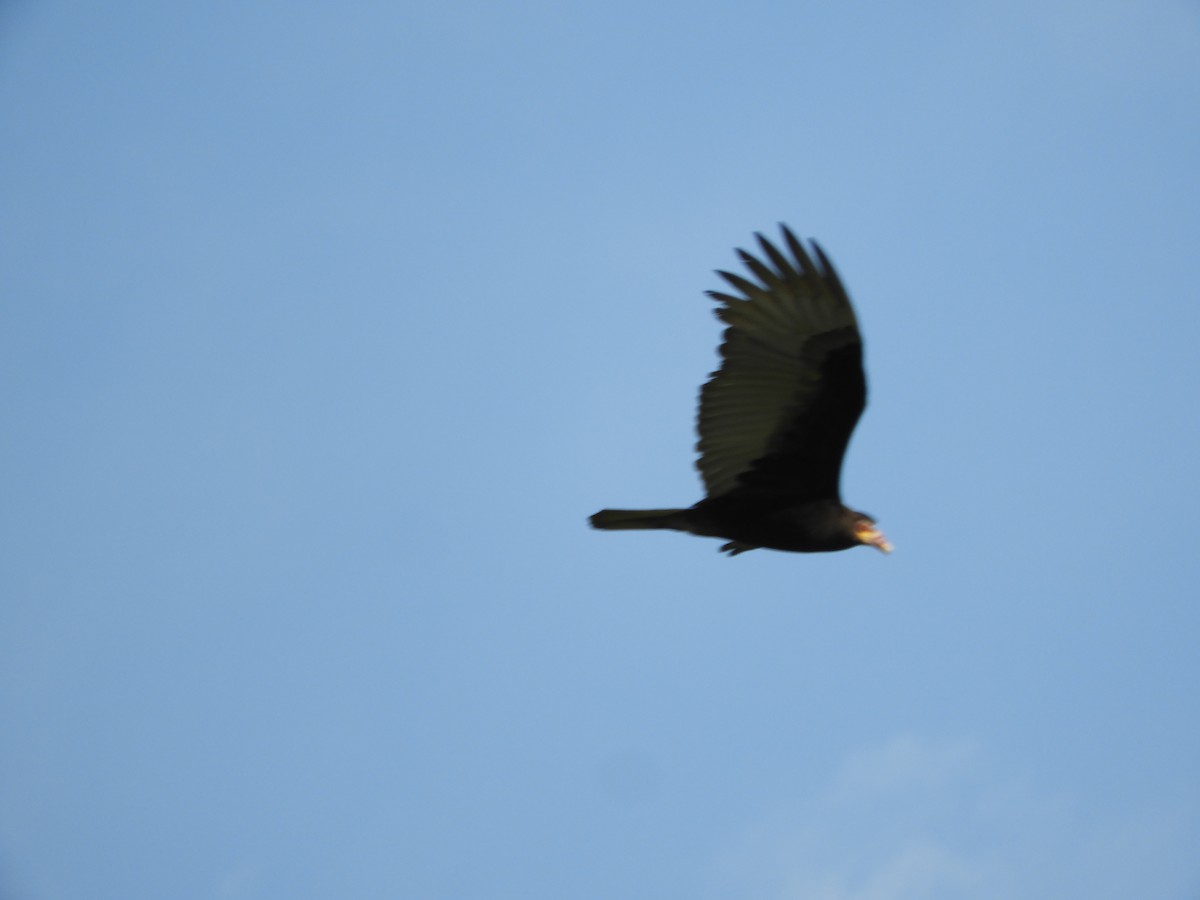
(778, 414)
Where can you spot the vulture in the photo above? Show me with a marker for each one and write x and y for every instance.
(776, 416)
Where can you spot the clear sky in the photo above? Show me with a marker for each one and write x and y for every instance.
(324, 327)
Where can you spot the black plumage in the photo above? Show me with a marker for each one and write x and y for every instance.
(776, 417)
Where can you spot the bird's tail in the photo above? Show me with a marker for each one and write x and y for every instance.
(626, 519)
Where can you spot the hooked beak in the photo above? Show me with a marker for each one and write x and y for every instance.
(874, 537)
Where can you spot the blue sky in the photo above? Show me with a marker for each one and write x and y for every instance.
(325, 326)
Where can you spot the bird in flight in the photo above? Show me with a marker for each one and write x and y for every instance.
(776, 417)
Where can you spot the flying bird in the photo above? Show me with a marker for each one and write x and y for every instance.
(776, 417)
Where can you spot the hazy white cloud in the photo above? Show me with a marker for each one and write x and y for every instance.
(918, 870)
(924, 819)
(239, 881)
(903, 763)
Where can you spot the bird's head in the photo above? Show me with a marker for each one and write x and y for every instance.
(865, 532)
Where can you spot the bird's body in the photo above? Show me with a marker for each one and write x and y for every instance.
(776, 417)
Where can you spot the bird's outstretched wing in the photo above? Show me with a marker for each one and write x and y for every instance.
(778, 413)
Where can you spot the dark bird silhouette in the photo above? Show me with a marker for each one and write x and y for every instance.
(776, 417)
